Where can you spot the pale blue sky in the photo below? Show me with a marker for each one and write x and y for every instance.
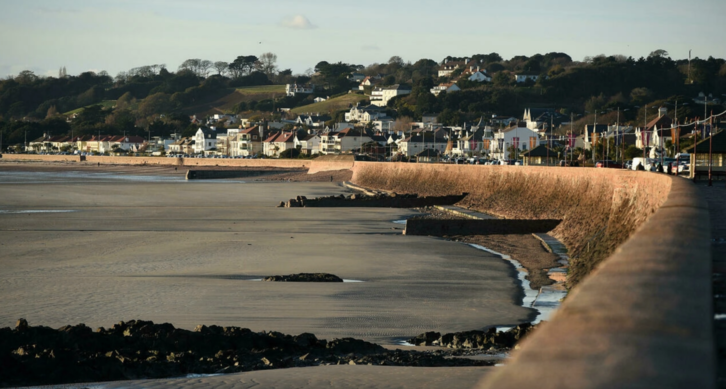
(43, 35)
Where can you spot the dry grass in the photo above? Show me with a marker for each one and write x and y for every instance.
(599, 208)
(332, 105)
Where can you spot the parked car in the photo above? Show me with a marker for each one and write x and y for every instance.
(608, 164)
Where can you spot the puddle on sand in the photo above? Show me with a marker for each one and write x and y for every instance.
(530, 295)
(399, 221)
(36, 211)
(545, 301)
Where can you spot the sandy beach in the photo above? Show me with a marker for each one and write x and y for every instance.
(166, 250)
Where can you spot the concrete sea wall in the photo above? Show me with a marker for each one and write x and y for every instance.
(640, 315)
(320, 164)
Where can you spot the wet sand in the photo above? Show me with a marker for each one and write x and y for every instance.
(166, 250)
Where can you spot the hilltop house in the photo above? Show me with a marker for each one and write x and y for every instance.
(312, 120)
(294, 89)
(448, 88)
(449, 67)
(381, 96)
(365, 114)
(480, 76)
(369, 81)
(523, 77)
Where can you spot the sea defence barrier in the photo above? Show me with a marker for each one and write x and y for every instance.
(639, 314)
(434, 227)
(320, 164)
(221, 174)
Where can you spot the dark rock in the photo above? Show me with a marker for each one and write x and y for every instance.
(350, 345)
(305, 277)
(21, 325)
(425, 339)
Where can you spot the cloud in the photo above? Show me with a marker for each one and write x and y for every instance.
(298, 22)
(370, 48)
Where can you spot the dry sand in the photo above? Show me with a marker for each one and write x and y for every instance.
(182, 252)
(315, 377)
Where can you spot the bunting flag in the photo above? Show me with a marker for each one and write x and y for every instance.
(571, 140)
(472, 144)
(673, 135)
(594, 138)
(486, 144)
(532, 142)
(515, 142)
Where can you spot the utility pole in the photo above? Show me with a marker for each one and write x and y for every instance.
(710, 150)
(592, 141)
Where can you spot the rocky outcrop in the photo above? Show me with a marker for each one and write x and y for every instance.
(139, 349)
(305, 277)
(475, 339)
(392, 200)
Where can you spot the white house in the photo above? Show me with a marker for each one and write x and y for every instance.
(309, 144)
(320, 99)
(343, 141)
(381, 96)
(448, 88)
(448, 67)
(480, 76)
(205, 140)
(293, 89)
(369, 81)
(277, 143)
(356, 77)
(421, 140)
(364, 114)
(249, 141)
(522, 77)
(517, 136)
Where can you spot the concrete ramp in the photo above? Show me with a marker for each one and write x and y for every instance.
(327, 163)
(434, 227)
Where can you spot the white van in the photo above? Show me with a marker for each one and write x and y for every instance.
(648, 163)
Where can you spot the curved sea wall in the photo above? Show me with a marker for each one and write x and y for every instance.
(640, 314)
(320, 164)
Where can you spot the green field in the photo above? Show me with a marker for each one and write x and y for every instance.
(260, 89)
(332, 105)
(104, 104)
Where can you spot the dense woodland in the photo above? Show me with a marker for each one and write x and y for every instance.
(154, 100)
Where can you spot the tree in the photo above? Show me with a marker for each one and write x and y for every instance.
(658, 53)
(26, 77)
(52, 111)
(268, 64)
(242, 65)
(221, 67)
(402, 124)
(155, 104)
(396, 60)
(204, 67)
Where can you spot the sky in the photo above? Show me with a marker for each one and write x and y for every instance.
(83, 35)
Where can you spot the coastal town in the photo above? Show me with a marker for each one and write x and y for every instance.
(382, 195)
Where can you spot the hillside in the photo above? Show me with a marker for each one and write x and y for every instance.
(104, 104)
(332, 105)
(226, 103)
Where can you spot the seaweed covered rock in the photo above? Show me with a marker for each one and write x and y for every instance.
(305, 277)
